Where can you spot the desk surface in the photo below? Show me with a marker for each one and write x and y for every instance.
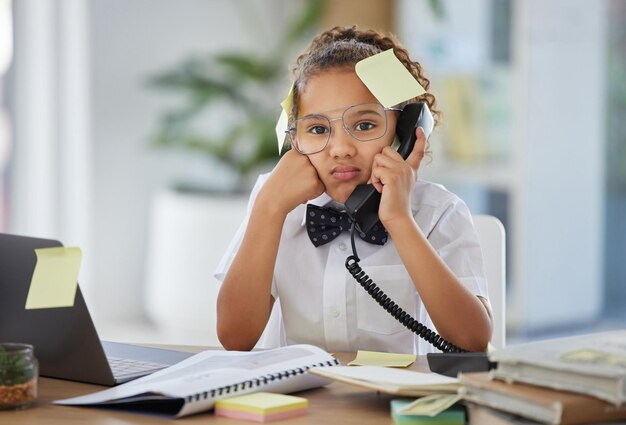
(335, 403)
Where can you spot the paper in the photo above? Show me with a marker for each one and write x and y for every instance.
(374, 358)
(452, 415)
(281, 127)
(55, 278)
(283, 120)
(388, 80)
(407, 379)
(589, 364)
(431, 405)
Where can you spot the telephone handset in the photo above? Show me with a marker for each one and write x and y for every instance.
(362, 208)
(362, 205)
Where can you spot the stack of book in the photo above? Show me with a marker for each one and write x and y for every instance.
(574, 380)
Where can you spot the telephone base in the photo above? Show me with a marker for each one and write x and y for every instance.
(450, 364)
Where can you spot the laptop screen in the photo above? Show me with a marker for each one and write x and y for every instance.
(65, 340)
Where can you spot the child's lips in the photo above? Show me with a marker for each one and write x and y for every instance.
(344, 173)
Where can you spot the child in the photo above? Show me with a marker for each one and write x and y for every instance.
(429, 262)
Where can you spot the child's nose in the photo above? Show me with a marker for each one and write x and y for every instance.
(341, 143)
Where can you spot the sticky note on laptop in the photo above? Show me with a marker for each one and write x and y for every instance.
(55, 278)
(387, 78)
(375, 358)
(262, 407)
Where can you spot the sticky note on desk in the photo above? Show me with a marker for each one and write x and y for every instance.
(387, 78)
(262, 407)
(55, 278)
(454, 415)
(374, 358)
(430, 405)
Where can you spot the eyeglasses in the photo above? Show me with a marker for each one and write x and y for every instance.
(364, 122)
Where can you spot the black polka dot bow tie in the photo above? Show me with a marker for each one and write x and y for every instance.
(325, 224)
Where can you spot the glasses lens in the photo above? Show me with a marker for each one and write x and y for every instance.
(312, 133)
(366, 122)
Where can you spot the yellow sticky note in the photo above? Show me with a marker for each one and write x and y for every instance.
(388, 80)
(283, 120)
(281, 127)
(55, 278)
(374, 358)
(263, 403)
(594, 356)
(287, 103)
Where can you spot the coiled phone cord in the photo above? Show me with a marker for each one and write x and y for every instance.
(352, 264)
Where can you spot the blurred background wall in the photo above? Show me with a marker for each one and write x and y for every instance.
(135, 128)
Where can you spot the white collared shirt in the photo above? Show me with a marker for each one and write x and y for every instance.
(320, 303)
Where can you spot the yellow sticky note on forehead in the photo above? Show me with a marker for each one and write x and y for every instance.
(287, 103)
(283, 120)
(388, 80)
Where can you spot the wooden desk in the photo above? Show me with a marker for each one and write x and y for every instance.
(336, 403)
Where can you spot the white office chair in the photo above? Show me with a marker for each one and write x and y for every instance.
(492, 241)
(491, 237)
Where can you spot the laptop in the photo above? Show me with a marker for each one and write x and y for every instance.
(65, 340)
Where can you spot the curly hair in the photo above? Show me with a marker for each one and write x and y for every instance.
(343, 47)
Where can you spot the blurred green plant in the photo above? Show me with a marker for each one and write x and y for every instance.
(247, 83)
(437, 8)
(14, 369)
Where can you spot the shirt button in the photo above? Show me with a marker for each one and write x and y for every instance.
(342, 246)
(334, 312)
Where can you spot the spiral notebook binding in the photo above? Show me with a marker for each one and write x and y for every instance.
(251, 383)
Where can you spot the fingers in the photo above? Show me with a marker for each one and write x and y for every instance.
(388, 155)
(419, 150)
(388, 166)
(377, 184)
(389, 162)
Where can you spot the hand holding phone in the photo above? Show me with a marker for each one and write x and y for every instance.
(362, 205)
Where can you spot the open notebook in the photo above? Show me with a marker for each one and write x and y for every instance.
(195, 384)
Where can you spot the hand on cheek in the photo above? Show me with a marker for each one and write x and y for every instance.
(394, 178)
(294, 181)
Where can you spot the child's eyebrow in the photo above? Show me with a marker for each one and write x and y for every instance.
(323, 113)
(367, 111)
(362, 112)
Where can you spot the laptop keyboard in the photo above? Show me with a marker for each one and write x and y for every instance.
(123, 367)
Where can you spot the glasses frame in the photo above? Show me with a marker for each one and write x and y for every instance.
(291, 131)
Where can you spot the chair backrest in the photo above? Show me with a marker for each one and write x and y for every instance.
(492, 241)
